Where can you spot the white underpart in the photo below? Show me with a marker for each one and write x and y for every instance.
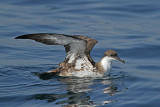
(86, 74)
(83, 63)
(88, 68)
(106, 64)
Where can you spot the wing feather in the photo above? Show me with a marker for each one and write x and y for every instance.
(74, 46)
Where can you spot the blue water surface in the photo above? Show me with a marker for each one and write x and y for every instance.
(131, 27)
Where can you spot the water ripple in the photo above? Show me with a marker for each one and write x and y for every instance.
(129, 27)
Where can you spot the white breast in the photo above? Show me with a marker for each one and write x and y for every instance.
(106, 64)
(86, 74)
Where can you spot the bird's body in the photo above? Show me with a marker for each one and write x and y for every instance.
(78, 61)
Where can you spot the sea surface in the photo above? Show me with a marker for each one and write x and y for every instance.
(131, 27)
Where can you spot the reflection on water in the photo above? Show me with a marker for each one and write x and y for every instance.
(78, 91)
(129, 27)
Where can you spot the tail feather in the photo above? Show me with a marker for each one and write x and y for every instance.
(48, 75)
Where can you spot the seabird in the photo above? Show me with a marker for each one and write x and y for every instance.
(78, 61)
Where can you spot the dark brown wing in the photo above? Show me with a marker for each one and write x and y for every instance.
(77, 45)
(73, 45)
(90, 44)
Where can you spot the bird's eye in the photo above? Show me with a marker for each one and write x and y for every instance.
(105, 54)
(113, 54)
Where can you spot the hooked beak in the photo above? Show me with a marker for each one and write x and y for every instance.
(117, 58)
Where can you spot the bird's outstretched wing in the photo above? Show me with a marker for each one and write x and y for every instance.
(75, 46)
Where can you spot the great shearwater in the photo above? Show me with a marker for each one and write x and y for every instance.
(78, 61)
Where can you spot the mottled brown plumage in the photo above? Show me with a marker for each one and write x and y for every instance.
(78, 61)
